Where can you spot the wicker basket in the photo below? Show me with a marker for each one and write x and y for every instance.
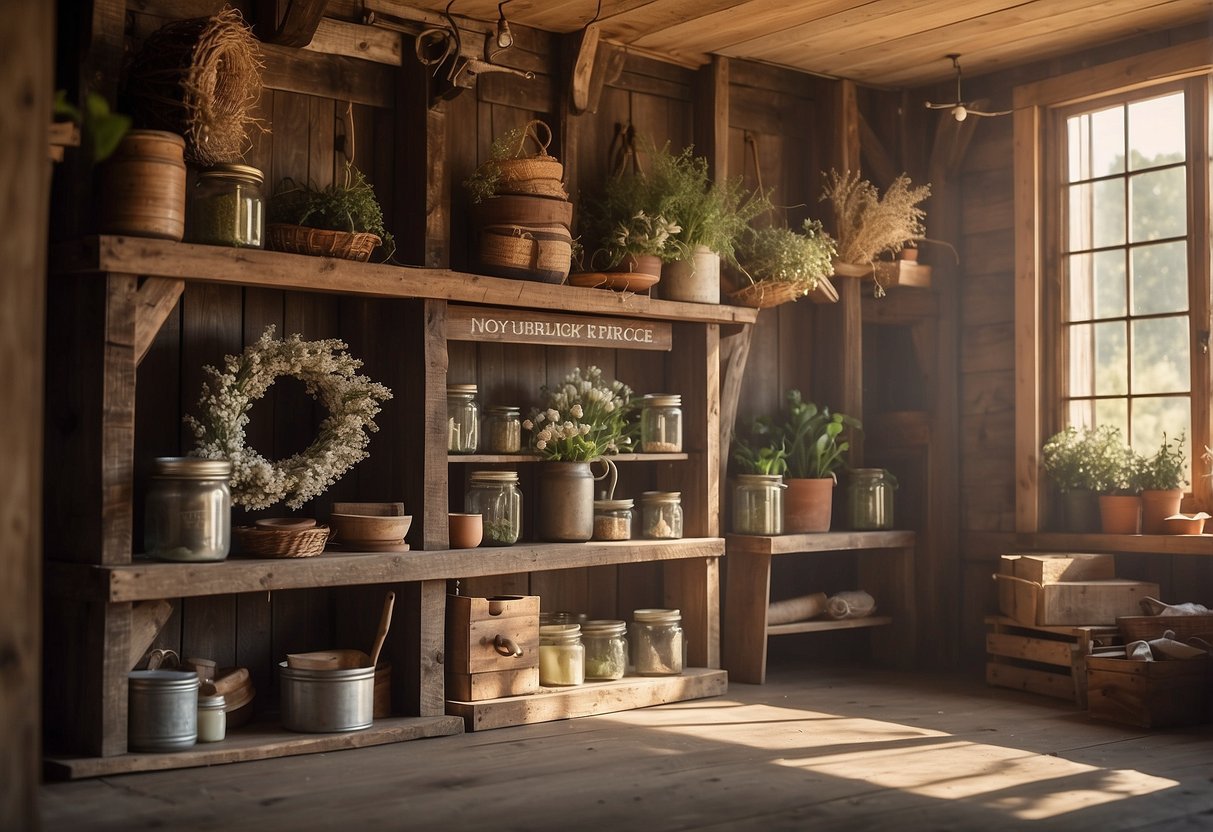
(1147, 627)
(537, 175)
(281, 543)
(765, 294)
(321, 242)
(542, 253)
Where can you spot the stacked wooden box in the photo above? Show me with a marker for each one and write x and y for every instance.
(492, 646)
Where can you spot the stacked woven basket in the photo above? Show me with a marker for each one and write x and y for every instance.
(523, 231)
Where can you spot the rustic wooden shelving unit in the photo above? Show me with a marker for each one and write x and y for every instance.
(110, 297)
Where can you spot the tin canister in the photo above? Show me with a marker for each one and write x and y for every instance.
(189, 509)
(318, 701)
(163, 710)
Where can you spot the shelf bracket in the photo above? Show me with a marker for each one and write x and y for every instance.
(154, 301)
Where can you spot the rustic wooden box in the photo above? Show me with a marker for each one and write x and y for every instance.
(1047, 660)
(1070, 603)
(1051, 568)
(1156, 694)
(479, 662)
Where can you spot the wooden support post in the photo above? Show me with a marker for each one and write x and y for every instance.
(735, 352)
(420, 612)
(888, 574)
(747, 597)
(712, 116)
(423, 180)
(155, 300)
(693, 587)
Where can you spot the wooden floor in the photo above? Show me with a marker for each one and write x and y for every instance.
(845, 749)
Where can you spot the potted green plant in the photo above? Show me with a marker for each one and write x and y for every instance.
(339, 220)
(869, 225)
(758, 488)
(623, 227)
(781, 265)
(1072, 459)
(1161, 477)
(1116, 469)
(812, 438)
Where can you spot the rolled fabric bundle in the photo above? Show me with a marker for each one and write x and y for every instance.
(851, 604)
(801, 608)
(1139, 651)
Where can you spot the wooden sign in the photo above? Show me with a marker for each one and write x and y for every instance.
(519, 326)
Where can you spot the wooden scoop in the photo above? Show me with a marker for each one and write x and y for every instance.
(345, 659)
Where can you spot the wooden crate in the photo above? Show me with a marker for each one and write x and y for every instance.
(1157, 694)
(1070, 603)
(1047, 660)
(478, 666)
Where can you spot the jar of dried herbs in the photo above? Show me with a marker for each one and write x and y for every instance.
(657, 642)
(227, 207)
(661, 515)
(503, 429)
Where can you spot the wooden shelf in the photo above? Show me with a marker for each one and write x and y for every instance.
(1159, 544)
(787, 544)
(483, 459)
(258, 741)
(148, 580)
(589, 699)
(277, 270)
(819, 626)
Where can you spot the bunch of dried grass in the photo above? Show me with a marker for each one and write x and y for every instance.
(868, 225)
(200, 78)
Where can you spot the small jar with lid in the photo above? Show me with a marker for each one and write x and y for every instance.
(661, 423)
(212, 718)
(661, 515)
(496, 497)
(561, 655)
(657, 644)
(188, 511)
(758, 504)
(612, 519)
(606, 649)
(870, 499)
(561, 617)
(227, 207)
(462, 419)
(502, 429)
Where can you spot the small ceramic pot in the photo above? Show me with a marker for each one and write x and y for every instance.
(465, 530)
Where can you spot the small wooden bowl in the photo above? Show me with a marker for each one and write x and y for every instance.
(352, 529)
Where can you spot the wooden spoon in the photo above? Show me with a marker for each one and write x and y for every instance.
(385, 621)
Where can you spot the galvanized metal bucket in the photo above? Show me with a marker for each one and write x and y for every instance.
(163, 710)
(320, 701)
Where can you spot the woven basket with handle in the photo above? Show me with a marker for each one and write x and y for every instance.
(321, 242)
(542, 253)
(538, 174)
(765, 294)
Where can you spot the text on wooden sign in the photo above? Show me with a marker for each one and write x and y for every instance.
(525, 327)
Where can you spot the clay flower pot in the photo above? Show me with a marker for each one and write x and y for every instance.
(465, 531)
(1120, 514)
(1156, 507)
(807, 505)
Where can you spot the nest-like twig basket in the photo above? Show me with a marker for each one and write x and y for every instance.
(764, 294)
(200, 78)
(321, 242)
(281, 543)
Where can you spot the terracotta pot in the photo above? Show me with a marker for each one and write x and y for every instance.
(465, 531)
(807, 504)
(694, 280)
(1080, 512)
(1185, 525)
(649, 264)
(1120, 514)
(1156, 507)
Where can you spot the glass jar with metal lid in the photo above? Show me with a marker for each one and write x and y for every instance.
(870, 499)
(661, 515)
(661, 423)
(657, 644)
(758, 504)
(612, 519)
(495, 495)
(212, 718)
(462, 419)
(561, 655)
(502, 429)
(188, 511)
(227, 207)
(606, 649)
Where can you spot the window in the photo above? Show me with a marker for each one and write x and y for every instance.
(1112, 202)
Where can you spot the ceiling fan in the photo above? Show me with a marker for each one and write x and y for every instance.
(960, 108)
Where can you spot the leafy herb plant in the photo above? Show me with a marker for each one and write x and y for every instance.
(346, 206)
(785, 256)
(810, 436)
(1164, 470)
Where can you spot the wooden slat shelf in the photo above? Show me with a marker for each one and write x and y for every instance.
(147, 257)
(506, 458)
(258, 741)
(147, 580)
(786, 544)
(589, 699)
(823, 625)
(1161, 544)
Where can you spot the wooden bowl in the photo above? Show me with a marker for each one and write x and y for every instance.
(352, 529)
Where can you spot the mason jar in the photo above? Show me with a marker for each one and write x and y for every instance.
(462, 419)
(561, 655)
(758, 504)
(661, 515)
(227, 207)
(496, 497)
(188, 510)
(870, 499)
(212, 718)
(661, 423)
(502, 430)
(606, 649)
(561, 617)
(657, 646)
(612, 519)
